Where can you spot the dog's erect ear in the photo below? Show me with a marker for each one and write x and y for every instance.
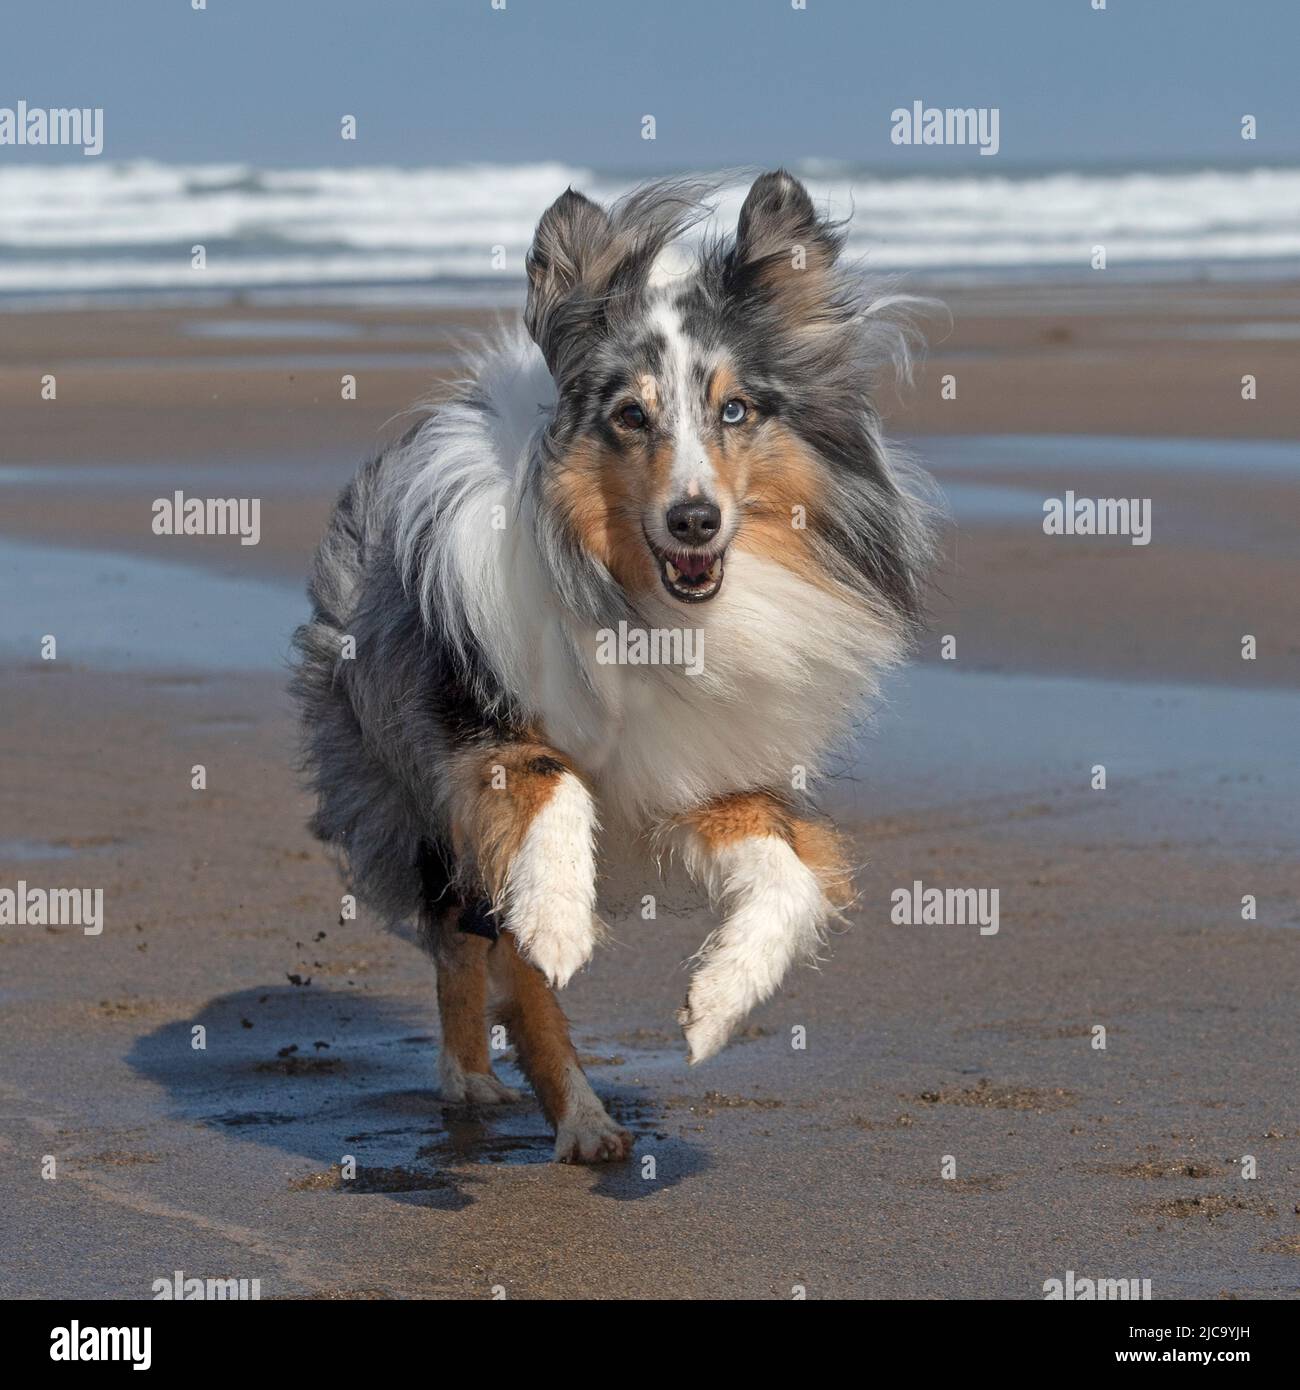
(784, 252)
(572, 238)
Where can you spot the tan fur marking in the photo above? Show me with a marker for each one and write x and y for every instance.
(784, 475)
(462, 994)
(604, 496)
(649, 389)
(723, 386)
(740, 817)
(491, 821)
(536, 1025)
(576, 490)
(750, 814)
(821, 847)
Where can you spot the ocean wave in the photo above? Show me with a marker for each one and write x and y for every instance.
(133, 225)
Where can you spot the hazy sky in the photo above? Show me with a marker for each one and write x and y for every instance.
(728, 81)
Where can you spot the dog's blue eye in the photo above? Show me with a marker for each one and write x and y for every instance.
(632, 416)
(733, 412)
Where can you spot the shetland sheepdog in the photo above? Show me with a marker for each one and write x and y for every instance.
(675, 441)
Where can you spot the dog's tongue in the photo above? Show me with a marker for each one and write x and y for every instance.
(693, 567)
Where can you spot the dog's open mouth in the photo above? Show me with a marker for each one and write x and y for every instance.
(689, 575)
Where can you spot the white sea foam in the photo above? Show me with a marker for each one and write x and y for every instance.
(129, 227)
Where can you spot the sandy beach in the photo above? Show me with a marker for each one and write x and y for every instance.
(774, 1167)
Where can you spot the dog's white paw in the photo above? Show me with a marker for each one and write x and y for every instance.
(558, 946)
(777, 911)
(722, 992)
(585, 1133)
(482, 1088)
(551, 884)
(457, 1087)
(706, 1033)
(592, 1139)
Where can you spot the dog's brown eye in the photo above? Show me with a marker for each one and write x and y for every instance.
(733, 412)
(632, 416)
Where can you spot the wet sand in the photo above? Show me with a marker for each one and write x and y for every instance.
(773, 1166)
(154, 400)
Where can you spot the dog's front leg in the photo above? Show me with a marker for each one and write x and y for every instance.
(778, 877)
(524, 823)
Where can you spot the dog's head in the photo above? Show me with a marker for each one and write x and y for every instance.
(715, 401)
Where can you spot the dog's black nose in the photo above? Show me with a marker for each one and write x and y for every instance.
(694, 523)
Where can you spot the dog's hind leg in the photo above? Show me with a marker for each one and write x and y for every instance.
(525, 823)
(778, 877)
(464, 1069)
(524, 1002)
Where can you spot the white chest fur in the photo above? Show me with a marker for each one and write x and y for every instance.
(779, 670)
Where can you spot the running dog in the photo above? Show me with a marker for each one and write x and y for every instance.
(680, 439)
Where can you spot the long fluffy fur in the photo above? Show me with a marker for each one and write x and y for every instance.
(474, 607)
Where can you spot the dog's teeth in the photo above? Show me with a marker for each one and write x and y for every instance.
(715, 570)
(671, 570)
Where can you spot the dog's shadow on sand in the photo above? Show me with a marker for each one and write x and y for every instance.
(331, 1075)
